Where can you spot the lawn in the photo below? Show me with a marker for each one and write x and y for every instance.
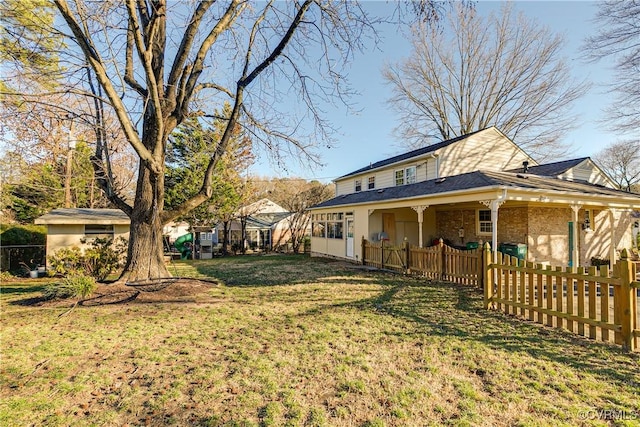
(299, 341)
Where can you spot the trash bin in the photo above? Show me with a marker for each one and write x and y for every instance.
(518, 250)
(472, 245)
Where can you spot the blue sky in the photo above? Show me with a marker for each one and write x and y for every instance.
(367, 136)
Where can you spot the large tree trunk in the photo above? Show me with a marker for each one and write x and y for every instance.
(145, 258)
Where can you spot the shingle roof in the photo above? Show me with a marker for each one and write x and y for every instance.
(553, 169)
(410, 154)
(84, 216)
(473, 180)
(266, 220)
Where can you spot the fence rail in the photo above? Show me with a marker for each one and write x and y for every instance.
(15, 258)
(438, 262)
(601, 304)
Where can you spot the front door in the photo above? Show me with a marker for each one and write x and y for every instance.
(349, 238)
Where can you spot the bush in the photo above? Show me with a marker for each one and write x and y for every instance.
(23, 235)
(99, 261)
(76, 286)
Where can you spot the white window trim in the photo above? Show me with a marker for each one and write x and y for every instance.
(369, 181)
(478, 232)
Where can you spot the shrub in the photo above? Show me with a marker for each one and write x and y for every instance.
(76, 286)
(101, 259)
(5, 276)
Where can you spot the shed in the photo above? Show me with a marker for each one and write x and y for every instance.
(79, 226)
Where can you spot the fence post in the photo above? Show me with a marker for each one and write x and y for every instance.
(364, 250)
(442, 259)
(382, 254)
(623, 298)
(487, 276)
(407, 257)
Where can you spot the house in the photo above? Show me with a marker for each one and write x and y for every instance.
(78, 227)
(472, 189)
(267, 226)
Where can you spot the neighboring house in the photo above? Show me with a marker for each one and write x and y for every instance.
(473, 189)
(267, 226)
(78, 227)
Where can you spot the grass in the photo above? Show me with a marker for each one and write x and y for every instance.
(303, 342)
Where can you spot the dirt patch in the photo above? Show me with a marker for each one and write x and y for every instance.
(158, 291)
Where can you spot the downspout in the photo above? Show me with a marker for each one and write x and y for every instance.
(495, 205)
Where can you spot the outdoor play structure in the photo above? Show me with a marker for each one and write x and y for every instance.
(184, 245)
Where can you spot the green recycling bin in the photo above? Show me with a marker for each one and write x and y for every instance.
(518, 250)
(472, 245)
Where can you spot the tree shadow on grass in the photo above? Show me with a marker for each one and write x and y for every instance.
(456, 311)
(264, 271)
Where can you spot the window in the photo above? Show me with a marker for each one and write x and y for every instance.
(358, 185)
(334, 230)
(484, 222)
(371, 183)
(406, 176)
(410, 175)
(400, 177)
(93, 231)
(328, 225)
(318, 229)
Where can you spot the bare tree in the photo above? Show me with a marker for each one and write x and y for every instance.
(297, 196)
(621, 161)
(156, 63)
(503, 70)
(618, 38)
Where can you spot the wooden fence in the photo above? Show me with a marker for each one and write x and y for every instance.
(601, 304)
(439, 262)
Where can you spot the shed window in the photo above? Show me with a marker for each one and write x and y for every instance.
(93, 231)
(484, 222)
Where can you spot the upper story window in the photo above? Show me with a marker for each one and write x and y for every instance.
(358, 185)
(484, 222)
(371, 183)
(406, 176)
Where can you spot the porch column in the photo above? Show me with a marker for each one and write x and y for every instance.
(574, 250)
(612, 237)
(419, 210)
(494, 205)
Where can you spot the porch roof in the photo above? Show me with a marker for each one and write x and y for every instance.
(485, 180)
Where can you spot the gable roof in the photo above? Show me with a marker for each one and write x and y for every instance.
(552, 169)
(411, 154)
(474, 180)
(84, 216)
(266, 220)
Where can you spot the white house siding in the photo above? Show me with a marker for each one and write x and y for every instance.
(487, 150)
(587, 171)
(385, 177)
(597, 242)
